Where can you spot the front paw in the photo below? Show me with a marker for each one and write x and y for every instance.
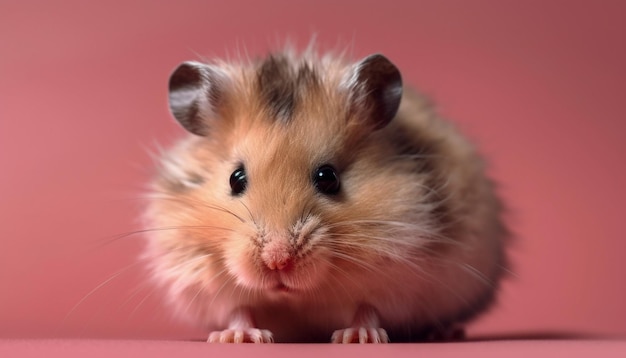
(360, 335)
(243, 335)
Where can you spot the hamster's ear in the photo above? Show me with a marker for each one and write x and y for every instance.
(195, 92)
(375, 86)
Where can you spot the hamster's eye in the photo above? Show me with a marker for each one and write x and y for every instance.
(326, 180)
(238, 181)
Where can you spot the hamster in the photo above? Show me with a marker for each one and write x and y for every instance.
(316, 200)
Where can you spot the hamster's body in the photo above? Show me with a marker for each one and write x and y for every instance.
(316, 199)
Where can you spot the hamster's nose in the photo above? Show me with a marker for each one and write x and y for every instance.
(276, 256)
(278, 264)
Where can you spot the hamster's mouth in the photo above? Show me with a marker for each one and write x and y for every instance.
(292, 281)
(275, 283)
(281, 287)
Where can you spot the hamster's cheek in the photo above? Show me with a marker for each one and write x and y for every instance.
(310, 272)
(242, 261)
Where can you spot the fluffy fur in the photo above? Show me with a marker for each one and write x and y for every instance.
(410, 247)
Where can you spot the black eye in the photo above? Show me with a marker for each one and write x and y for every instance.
(238, 181)
(326, 180)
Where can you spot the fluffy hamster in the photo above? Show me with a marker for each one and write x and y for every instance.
(315, 200)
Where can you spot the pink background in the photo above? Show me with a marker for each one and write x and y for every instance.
(540, 85)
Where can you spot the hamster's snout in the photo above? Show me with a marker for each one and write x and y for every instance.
(277, 254)
(288, 258)
(280, 249)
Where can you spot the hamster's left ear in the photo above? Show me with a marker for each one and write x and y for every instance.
(196, 93)
(375, 86)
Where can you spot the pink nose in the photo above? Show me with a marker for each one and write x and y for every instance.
(277, 264)
(276, 256)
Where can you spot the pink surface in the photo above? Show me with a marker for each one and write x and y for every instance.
(539, 84)
(157, 349)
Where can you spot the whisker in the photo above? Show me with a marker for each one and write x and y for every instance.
(136, 309)
(193, 298)
(399, 240)
(135, 291)
(339, 284)
(108, 240)
(476, 273)
(508, 271)
(224, 284)
(410, 227)
(165, 196)
(94, 290)
(249, 213)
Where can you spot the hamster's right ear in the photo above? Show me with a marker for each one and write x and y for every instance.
(195, 93)
(375, 86)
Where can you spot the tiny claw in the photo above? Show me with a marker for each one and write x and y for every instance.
(244, 335)
(360, 335)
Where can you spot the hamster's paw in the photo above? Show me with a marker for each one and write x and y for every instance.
(360, 335)
(243, 335)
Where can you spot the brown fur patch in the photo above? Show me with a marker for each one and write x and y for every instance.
(281, 85)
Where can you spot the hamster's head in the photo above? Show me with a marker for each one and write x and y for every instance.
(285, 181)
